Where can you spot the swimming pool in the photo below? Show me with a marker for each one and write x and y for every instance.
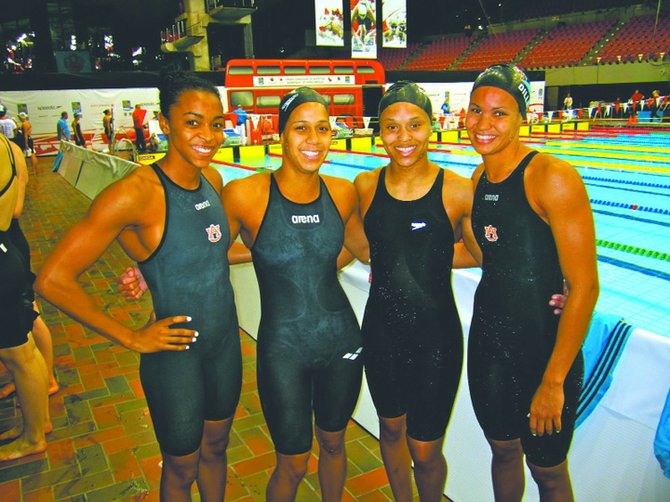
(627, 177)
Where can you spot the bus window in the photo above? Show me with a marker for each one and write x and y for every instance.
(343, 70)
(268, 101)
(268, 70)
(319, 70)
(242, 98)
(367, 70)
(295, 70)
(343, 99)
(240, 70)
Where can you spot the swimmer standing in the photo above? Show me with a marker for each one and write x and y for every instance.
(533, 224)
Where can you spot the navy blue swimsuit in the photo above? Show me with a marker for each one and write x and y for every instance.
(188, 274)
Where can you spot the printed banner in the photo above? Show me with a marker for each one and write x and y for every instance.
(394, 23)
(363, 29)
(329, 20)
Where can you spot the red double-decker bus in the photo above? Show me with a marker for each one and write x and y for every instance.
(352, 88)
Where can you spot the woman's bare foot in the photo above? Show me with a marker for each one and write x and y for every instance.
(16, 431)
(21, 448)
(10, 389)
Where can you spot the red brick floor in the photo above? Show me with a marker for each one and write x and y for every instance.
(102, 446)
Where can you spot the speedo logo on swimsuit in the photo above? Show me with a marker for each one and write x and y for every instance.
(297, 219)
(418, 225)
(202, 205)
(491, 197)
(354, 356)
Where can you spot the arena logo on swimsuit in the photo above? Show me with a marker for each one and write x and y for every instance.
(302, 218)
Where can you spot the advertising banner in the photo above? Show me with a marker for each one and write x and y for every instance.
(394, 23)
(363, 29)
(329, 20)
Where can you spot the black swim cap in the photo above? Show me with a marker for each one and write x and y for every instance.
(510, 79)
(294, 99)
(405, 91)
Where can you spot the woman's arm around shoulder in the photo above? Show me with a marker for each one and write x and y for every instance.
(366, 185)
(245, 201)
(214, 178)
(345, 198)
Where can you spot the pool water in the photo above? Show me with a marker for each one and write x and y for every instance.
(627, 177)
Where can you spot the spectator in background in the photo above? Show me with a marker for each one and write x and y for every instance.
(62, 128)
(108, 128)
(138, 124)
(29, 146)
(76, 131)
(446, 107)
(654, 106)
(242, 117)
(567, 102)
(618, 109)
(7, 125)
(635, 100)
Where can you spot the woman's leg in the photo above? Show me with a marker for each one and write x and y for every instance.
(396, 456)
(286, 477)
(332, 464)
(430, 468)
(507, 470)
(212, 468)
(553, 482)
(178, 476)
(28, 370)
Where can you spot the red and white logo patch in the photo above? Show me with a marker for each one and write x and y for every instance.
(213, 233)
(491, 233)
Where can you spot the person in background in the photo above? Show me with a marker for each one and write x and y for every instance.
(78, 136)
(654, 104)
(62, 128)
(138, 124)
(190, 358)
(18, 351)
(40, 331)
(7, 125)
(108, 128)
(636, 101)
(567, 102)
(533, 225)
(240, 125)
(29, 145)
(446, 107)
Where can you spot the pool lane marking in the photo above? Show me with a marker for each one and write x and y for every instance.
(625, 248)
(636, 268)
(632, 218)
